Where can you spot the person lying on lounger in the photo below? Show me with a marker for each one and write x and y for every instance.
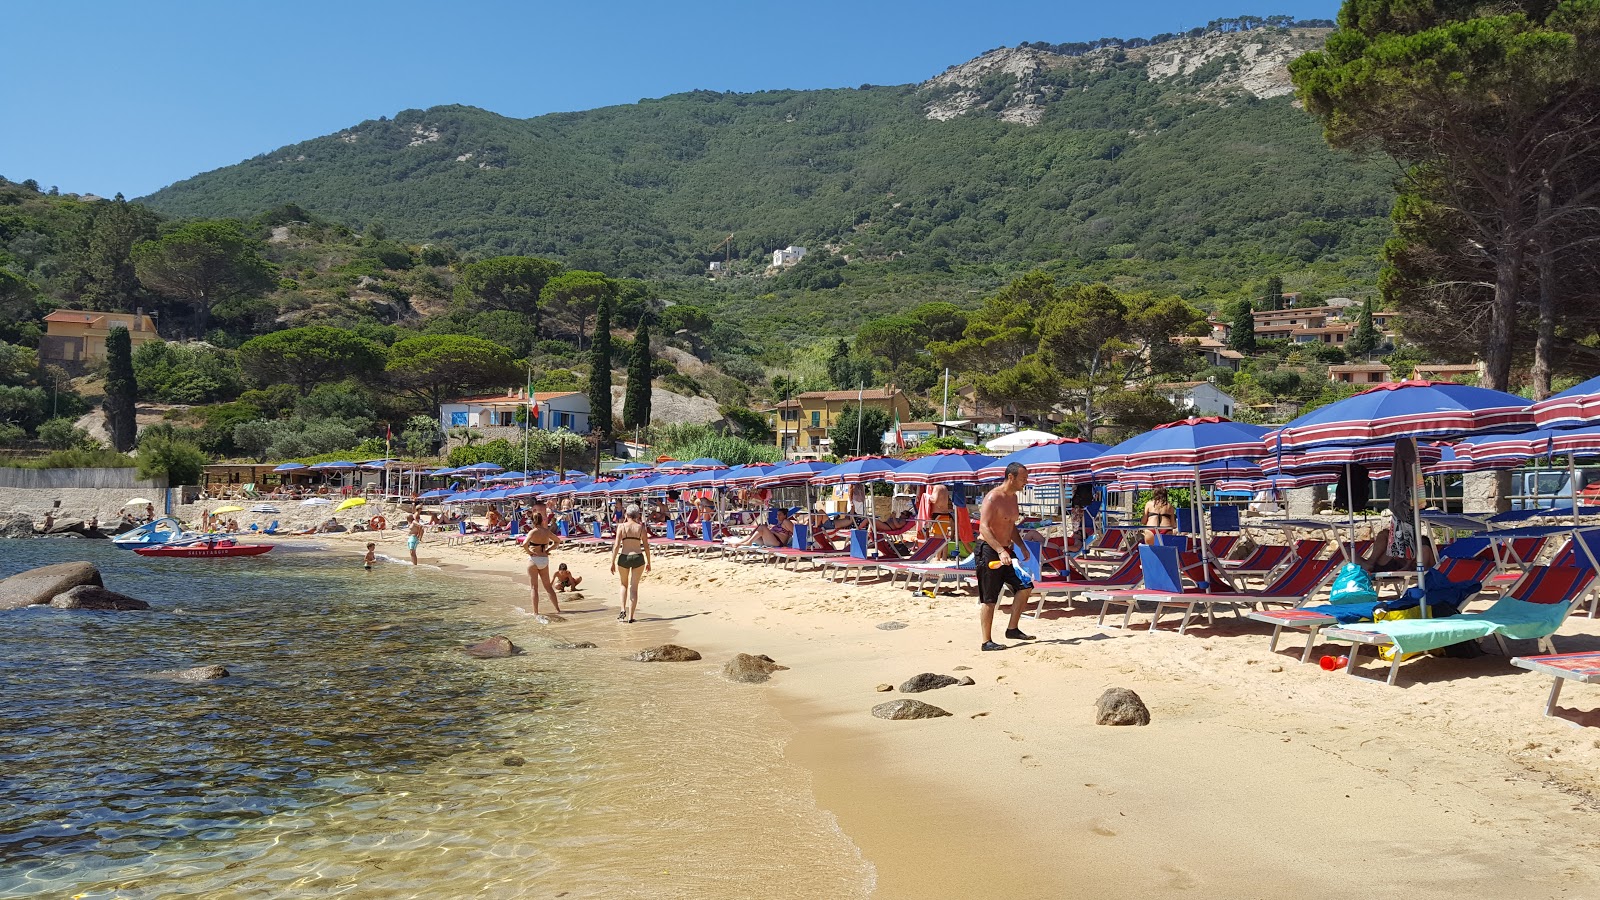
(774, 536)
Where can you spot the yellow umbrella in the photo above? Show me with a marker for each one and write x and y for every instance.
(226, 509)
(353, 501)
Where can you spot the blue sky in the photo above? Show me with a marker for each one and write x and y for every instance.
(113, 96)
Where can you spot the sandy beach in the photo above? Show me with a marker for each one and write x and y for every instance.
(1257, 777)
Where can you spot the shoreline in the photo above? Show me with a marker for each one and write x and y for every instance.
(1251, 758)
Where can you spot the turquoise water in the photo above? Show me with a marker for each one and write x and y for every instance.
(355, 751)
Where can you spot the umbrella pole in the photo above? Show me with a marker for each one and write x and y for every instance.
(1200, 522)
(1572, 485)
(1414, 472)
(1064, 533)
(1350, 510)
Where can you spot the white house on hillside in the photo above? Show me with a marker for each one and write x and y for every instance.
(556, 409)
(788, 256)
(1200, 398)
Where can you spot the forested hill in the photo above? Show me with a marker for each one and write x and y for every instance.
(1187, 155)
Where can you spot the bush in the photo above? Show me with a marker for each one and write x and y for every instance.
(163, 453)
(185, 373)
(83, 458)
(25, 407)
(62, 434)
(11, 435)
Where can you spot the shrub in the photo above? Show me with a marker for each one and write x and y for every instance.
(163, 453)
(62, 434)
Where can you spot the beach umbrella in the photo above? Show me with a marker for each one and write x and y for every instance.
(336, 466)
(699, 464)
(942, 467)
(435, 495)
(792, 474)
(377, 465)
(1571, 442)
(482, 467)
(632, 467)
(1575, 406)
(289, 467)
(1415, 409)
(316, 501)
(1173, 475)
(438, 472)
(1018, 440)
(353, 501)
(746, 475)
(1048, 461)
(138, 501)
(226, 509)
(854, 471)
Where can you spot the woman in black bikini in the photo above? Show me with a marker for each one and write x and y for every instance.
(1162, 512)
(537, 545)
(631, 553)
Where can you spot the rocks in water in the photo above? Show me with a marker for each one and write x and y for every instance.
(1120, 706)
(908, 709)
(89, 596)
(891, 626)
(16, 525)
(751, 669)
(576, 645)
(497, 647)
(666, 653)
(43, 584)
(513, 761)
(927, 681)
(197, 673)
(549, 618)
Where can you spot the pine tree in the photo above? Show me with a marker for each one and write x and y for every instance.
(1274, 293)
(1365, 338)
(120, 389)
(600, 374)
(1242, 330)
(636, 406)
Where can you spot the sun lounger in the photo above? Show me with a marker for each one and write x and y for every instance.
(1532, 610)
(1128, 575)
(844, 565)
(1262, 560)
(1292, 588)
(1109, 545)
(1582, 667)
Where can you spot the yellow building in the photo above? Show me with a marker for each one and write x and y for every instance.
(76, 339)
(802, 422)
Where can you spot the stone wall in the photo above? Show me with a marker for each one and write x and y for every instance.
(63, 479)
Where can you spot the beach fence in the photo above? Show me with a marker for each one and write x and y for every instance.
(65, 479)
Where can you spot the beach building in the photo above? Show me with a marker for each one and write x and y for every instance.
(1200, 398)
(75, 339)
(495, 416)
(801, 423)
(1335, 333)
(788, 256)
(1468, 372)
(1359, 373)
(1281, 324)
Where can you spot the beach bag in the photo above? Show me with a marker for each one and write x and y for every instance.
(1352, 585)
(1386, 653)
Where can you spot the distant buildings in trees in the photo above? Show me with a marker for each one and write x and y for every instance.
(788, 256)
(76, 339)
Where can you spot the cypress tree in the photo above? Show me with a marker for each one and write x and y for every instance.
(636, 406)
(1274, 293)
(1242, 330)
(120, 389)
(1365, 338)
(600, 374)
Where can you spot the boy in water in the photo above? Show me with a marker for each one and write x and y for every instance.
(371, 558)
(565, 580)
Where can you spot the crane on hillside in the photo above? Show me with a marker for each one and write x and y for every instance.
(727, 249)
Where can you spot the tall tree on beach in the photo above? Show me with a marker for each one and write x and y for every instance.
(636, 404)
(121, 388)
(1496, 119)
(600, 375)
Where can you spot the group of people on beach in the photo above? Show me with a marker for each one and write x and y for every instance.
(630, 559)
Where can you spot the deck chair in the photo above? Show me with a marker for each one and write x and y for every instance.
(271, 529)
(1127, 575)
(1293, 587)
(1109, 544)
(1532, 610)
(1221, 545)
(249, 491)
(860, 561)
(1261, 561)
(1582, 667)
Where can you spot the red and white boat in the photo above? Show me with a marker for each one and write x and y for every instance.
(204, 549)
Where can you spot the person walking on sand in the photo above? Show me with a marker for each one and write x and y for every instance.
(997, 531)
(537, 545)
(413, 536)
(630, 552)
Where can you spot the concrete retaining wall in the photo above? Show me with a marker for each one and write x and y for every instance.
(65, 479)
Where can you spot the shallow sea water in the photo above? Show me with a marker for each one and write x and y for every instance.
(355, 751)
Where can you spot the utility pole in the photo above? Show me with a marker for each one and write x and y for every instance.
(947, 393)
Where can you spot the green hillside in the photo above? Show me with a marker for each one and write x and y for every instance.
(1188, 183)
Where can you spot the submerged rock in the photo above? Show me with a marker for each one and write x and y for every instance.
(89, 596)
(41, 585)
(666, 653)
(908, 709)
(576, 645)
(927, 681)
(751, 669)
(197, 673)
(549, 618)
(1120, 706)
(497, 647)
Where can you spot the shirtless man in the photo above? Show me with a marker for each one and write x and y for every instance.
(997, 531)
(942, 521)
(414, 537)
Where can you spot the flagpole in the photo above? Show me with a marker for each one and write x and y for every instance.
(527, 418)
(861, 408)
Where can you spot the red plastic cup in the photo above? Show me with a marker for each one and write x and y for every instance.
(1329, 663)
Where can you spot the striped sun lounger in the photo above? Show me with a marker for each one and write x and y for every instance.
(1583, 668)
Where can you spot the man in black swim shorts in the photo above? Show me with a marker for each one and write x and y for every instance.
(997, 531)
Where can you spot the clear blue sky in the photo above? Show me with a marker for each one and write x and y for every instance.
(103, 97)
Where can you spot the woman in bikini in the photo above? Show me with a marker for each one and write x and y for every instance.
(630, 552)
(1159, 515)
(537, 545)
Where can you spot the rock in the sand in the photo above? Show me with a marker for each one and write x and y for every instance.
(908, 709)
(577, 645)
(966, 679)
(549, 618)
(751, 669)
(927, 681)
(197, 673)
(666, 653)
(960, 668)
(497, 647)
(1120, 706)
(89, 596)
(891, 626)
(16, 525)
(41, 585)
(884, 688)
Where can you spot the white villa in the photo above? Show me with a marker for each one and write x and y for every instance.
(788, 256)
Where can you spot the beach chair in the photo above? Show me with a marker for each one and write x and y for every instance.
(1582, 667)
(1532, 610)
(1109, 545)
(863, 562)
(819, 546)
(1221, 545)
(1293, 588)
(1127, 575)
(271, 529)
(249, 491)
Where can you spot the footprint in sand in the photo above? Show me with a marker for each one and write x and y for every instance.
(1100, 828)
(1180, 879)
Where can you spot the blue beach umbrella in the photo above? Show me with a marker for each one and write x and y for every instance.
(289, 467)
(852, 471)
(632, 467)
(701, 463)
(943, 467)
(1416, 409)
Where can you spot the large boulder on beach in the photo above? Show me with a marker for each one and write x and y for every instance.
(751, 669)
(908, 709)
(197, 673)
(666, 653)
(89, 596)
(497, 647)
(1120, 706)
(927, 681)
(16, 525)
(43, 584)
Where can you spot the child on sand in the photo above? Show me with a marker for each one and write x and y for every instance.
(565, 580)
(371, 558)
